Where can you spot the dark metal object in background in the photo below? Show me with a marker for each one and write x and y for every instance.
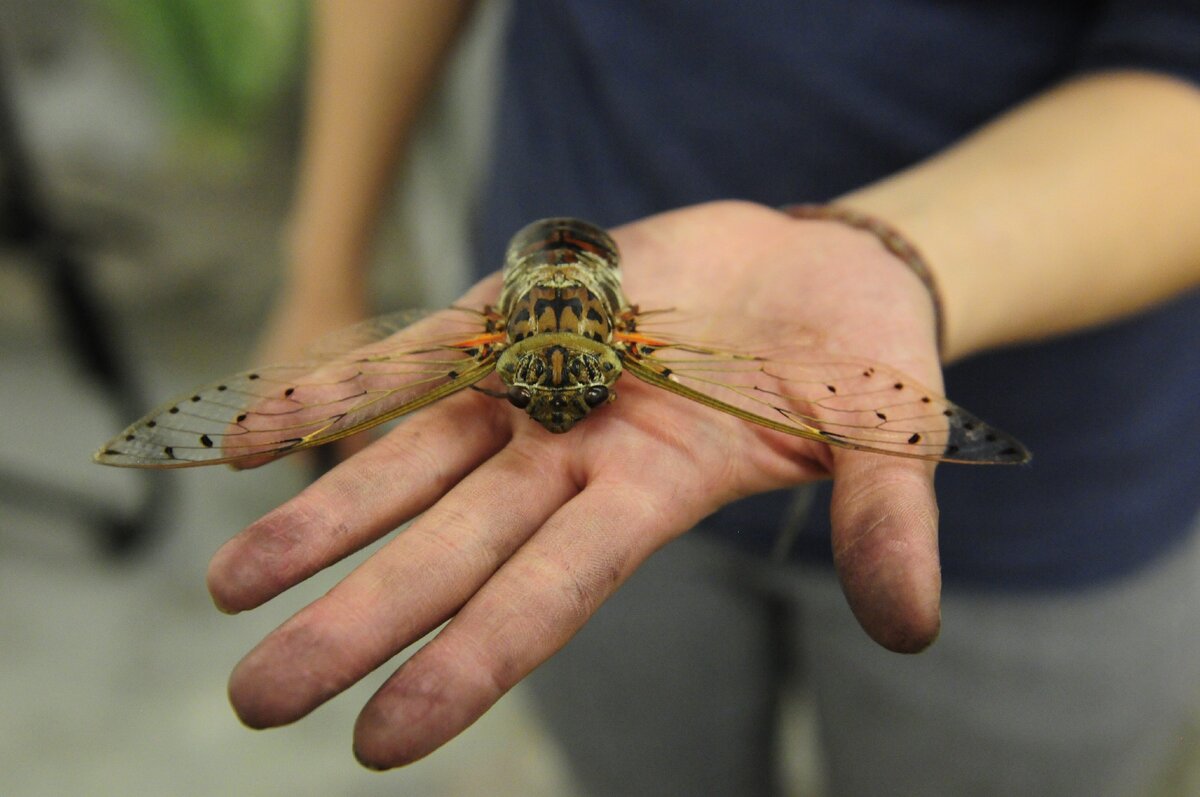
(26, 225)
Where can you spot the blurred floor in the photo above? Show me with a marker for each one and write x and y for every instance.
(112, 675)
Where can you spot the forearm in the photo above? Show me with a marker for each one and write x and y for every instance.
(373, 64)
(1078, 207)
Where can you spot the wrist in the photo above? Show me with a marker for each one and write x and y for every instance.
(949, 244)
(891, 239)
(317, 265)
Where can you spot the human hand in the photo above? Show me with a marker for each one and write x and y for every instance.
(522, 534)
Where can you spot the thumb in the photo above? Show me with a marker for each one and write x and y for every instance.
(884, 517)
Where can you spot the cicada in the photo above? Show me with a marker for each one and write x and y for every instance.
(558, 339)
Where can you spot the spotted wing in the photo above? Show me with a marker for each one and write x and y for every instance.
(801, 390)
(371, 373)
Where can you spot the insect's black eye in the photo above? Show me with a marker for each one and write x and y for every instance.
(595, 395)
(518, 397)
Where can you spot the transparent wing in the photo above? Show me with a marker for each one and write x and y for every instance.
(797, 388)
(361, 377)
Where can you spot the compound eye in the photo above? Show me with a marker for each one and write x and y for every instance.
(519, 397)
(595, 395)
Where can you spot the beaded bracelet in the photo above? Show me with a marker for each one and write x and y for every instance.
(892, 240)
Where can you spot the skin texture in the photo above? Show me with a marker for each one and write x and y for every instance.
(1075, 208)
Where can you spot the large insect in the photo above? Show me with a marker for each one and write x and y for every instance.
(559, 339)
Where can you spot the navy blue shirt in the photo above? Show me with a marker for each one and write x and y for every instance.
(613, 109)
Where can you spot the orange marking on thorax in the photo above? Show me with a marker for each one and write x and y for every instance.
(634, 337)
(479, 340)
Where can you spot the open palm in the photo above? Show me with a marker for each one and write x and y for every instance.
(522, 534)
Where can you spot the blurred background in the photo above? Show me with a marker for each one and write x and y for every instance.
(146, 149)
(146, 155)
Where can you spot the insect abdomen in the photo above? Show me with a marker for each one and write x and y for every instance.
(561, 275)
(561, 241)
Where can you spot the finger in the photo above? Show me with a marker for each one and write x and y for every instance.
(523, 615)
(884, 517)
(384, 485)
(403, 591)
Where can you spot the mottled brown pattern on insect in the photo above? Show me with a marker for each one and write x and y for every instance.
(562, 292)
(563, 259)
(560, 305)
